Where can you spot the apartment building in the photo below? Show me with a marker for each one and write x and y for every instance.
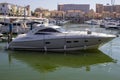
(41, 12)
(14, 10)
(66, 7)
(108, 8)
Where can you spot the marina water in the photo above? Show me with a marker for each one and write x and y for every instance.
(101, 64)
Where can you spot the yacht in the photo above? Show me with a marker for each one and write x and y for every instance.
(110, 24)
(18, 27)
(93, 22)
(55, 38)
(21, 25)
(113, 25)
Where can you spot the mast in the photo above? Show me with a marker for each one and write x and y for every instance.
(112, 2)
(112, 7)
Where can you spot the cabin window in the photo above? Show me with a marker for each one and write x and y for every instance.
(6, 24)
(76, 41)
(68, 41)
(16, 24)
(42, 33)
(47, 42)
(86, 41)
(48, 30)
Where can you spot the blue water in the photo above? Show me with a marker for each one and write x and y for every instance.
(101, 64)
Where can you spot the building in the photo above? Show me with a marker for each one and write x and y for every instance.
(66, 7)
(99, 8)
(14, 10)
(74, 13)
(40, 12)
(57, 14)
(108, 8)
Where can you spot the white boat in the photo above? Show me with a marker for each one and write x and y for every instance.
(58, 22)
(17, 27)
(2, 38)
(113, 25)
(62, 22)
(54, 38)
(21, 25)
(110, 24)
(93, 22)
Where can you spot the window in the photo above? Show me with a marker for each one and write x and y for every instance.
(76, 41)
(6, 24)
(3, 5)
(48, 30)
(68, 41)
(16, 24)
(47, 42)
(42, 33)
(86, 40)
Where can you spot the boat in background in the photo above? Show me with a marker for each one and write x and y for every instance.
(58, 22)
(21, 25)
(93, 22)
(110, 24)
(3, 38)
(54, 38)
(18, 27)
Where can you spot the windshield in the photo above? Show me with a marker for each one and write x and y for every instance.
(60, 29)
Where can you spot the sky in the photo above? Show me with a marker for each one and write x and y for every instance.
(52, 4)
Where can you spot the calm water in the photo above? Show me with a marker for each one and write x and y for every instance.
(101, 64)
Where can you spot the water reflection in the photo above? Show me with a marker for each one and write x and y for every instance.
(49, 62)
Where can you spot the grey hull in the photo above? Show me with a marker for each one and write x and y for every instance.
(59, 44)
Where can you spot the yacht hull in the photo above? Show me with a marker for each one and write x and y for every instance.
(59, 44)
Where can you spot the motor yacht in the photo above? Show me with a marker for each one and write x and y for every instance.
(110, 24)
(93, 22)
(54, 38)
(17, 27)
(113, 25)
